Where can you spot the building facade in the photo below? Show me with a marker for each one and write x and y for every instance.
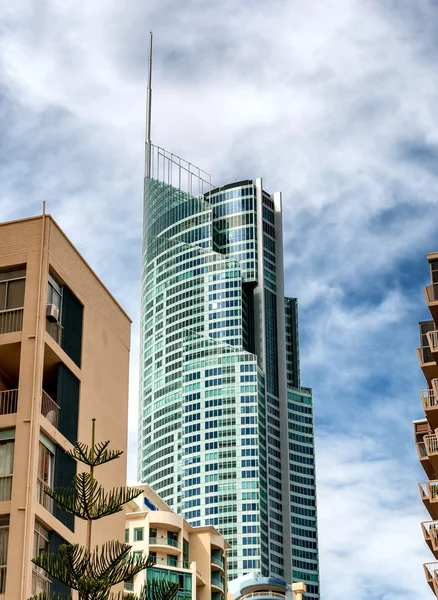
(425, 430)
(64, 353)
(255, 587)
(225, 428)
(193, 556)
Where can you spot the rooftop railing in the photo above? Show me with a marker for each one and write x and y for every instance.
(263, 593)
(8, 402)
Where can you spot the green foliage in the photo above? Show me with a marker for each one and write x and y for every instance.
(93, 573)
(87, 499)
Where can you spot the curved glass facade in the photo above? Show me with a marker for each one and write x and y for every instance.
(217, 357)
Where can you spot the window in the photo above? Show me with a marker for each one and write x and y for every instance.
(54, 293)
(4, 538)
(138, 534)
(46, 463)
(40, 583)
(127, 536)
(12, 284)
(171, 561)
(137, 555)
(6, 465)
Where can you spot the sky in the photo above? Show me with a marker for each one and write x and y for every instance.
(331, 101)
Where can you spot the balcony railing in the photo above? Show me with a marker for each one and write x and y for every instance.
(421, 448)
(263, 593)
(40, 583)
(49, 409)
(8, 402)
(42, 497)
(217, 582)
(428, 399)
(184, 564)
(432, 337)
(217, 561)
(11, 320)
(5, 488)
(429, 489)
(2, 580)
(431, 292)
(431, 442)
(164, 541)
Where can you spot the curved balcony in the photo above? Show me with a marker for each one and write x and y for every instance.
(217, 563)
(429, 495)
(429, 399)
(172, 546)
(263, 594)
(217, 583)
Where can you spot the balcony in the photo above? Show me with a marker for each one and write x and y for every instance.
(5, 488)
(427, 363)
(217, 562)
(429, 495)
(217, 582)
(431, 447)
(173, 546)
(430, 533)
(8, 402)
(2, 580)
(263, 594)
(49, 409)
(429, 399)
(11, 320)
(430, 570)
(42, 498)
(40, 583)
(431, 293)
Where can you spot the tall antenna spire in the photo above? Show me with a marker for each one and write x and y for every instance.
(148, 112)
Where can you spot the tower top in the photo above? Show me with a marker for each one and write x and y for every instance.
(148, 112)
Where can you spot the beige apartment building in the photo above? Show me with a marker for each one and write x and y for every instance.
(426, 429)
(64, 354)
(193, 556)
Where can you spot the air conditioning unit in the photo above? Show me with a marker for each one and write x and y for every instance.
(52, 313)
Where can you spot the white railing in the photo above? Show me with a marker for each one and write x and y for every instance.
(432, 338)
(11, 320)
(428, 398)
(49, 409)
(263, 593)
(5, 488)
(429, 489)
(43, 499)
(40, 583)
(429, 526)
(431, 442)
(2, 580)
(431, 570)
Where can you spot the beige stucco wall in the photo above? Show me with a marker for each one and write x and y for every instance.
(103, 384)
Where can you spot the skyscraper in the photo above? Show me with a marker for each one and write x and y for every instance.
(225, 428)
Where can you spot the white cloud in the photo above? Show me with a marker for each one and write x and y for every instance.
(332, 102)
